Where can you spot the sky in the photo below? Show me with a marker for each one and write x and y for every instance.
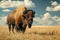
(47, 12)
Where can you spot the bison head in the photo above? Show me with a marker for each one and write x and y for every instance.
(29, 15)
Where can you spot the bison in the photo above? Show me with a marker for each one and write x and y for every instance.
(20, 18)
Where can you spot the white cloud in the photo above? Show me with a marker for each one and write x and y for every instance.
(29, 3)
(54, 3)
(44, 20)
(47, 19)
(3, 20)
(46, 16)
(48, 8)
(56, 18)
(6, 10)
(9, 3)
(54, 7)
(37, 18)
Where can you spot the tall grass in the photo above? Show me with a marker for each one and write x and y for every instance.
(35, 33)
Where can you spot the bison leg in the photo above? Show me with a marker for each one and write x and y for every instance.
(17, 28)
(9, 28)
(13, 28)
(24, 28)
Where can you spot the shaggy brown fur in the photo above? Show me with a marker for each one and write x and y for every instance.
(16, 18)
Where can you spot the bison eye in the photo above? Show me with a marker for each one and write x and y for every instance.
(25, 17)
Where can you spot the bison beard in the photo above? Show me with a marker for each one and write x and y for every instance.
(30, 23)
(21, 27)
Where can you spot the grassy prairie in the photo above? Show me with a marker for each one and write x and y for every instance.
(35, 33)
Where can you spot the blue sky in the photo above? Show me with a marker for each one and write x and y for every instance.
(47, 11)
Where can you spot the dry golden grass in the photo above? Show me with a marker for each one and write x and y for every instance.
(35, 33)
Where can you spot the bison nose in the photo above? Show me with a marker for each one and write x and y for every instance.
(29, 25)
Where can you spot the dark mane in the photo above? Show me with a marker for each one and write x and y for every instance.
(26, 12)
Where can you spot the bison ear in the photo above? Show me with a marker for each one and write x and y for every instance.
(25, 12)
(33, 13)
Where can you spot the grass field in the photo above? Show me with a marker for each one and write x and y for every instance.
(35, 33)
